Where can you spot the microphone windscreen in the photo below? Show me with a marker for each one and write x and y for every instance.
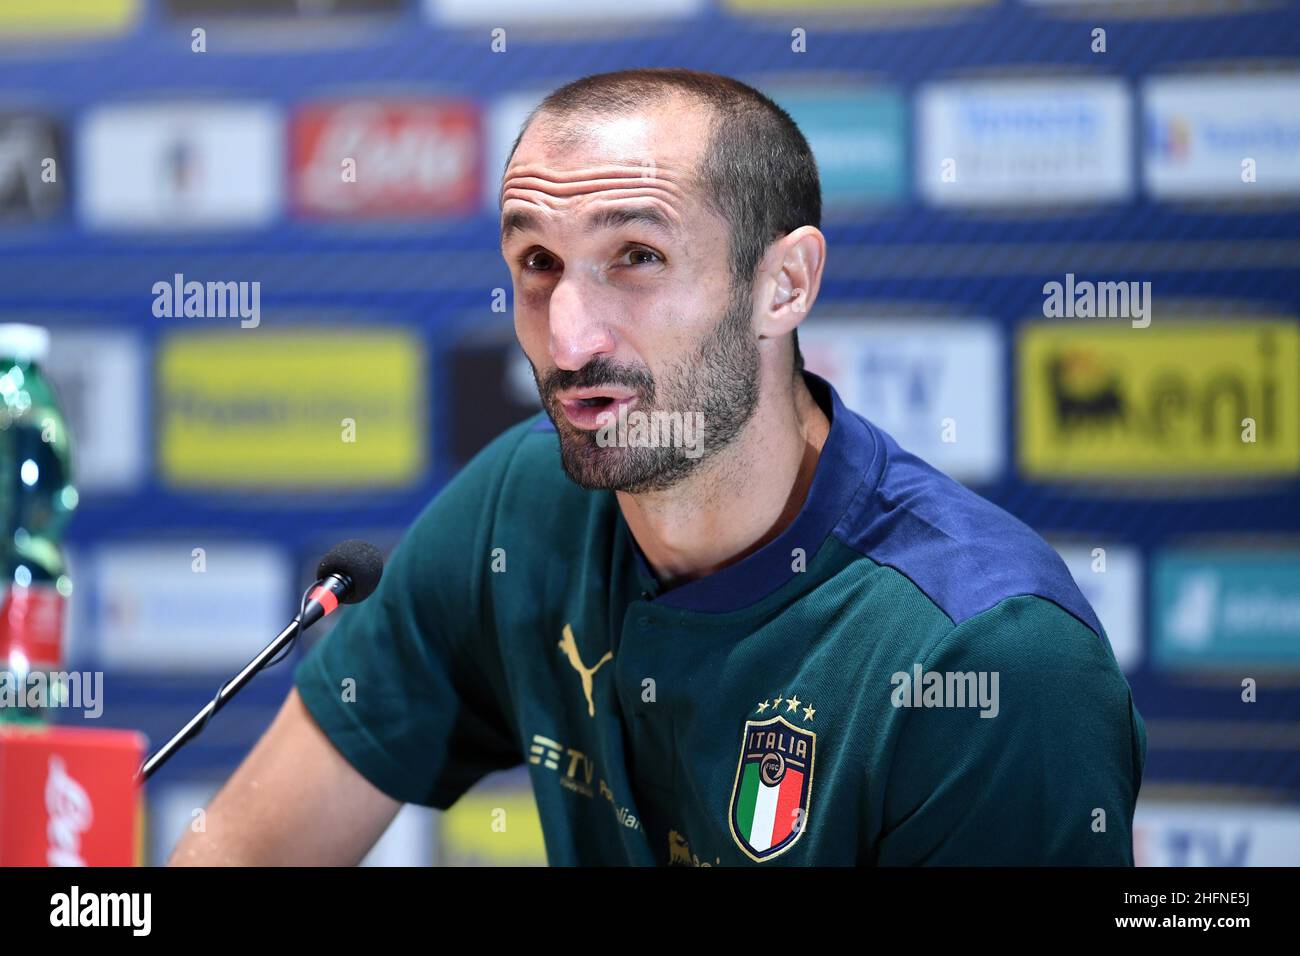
(360, 561)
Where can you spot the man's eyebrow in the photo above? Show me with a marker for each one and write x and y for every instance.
(520, 220)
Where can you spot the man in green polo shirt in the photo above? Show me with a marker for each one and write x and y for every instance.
(721, 618)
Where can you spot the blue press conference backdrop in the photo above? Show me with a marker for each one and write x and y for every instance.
(970, 153)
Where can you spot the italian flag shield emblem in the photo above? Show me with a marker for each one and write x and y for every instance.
(769, 802)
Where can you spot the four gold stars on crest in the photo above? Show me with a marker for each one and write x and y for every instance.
(792, 705)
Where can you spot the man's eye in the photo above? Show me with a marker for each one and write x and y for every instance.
(538, 261)
(648, 257)
(535, 261)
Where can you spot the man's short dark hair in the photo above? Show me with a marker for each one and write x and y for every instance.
(756, 172)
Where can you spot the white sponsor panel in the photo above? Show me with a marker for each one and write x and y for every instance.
(1215, 834)
(181, 166)
(1112, 583)
(99, 376)
(506, 13)
(157, 612)
(1222, 137)
(1024, 142)
(935, 385)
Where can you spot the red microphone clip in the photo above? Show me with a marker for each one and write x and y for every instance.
(325, 598)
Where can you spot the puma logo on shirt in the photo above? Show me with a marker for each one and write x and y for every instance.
(570, 648)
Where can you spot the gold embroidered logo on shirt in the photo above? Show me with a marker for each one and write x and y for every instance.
(570, 647)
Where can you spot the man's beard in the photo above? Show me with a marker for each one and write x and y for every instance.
(719, 381)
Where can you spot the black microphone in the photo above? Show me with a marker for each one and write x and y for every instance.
(349, 573)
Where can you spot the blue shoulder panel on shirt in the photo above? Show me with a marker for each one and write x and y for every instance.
(965, 553)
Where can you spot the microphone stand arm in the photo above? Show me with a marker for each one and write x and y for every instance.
(228, 690)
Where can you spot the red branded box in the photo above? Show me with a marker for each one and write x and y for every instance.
(68, 796)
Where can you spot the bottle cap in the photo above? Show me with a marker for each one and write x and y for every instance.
(26, 343)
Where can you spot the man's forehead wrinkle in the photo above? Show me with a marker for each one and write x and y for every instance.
(651, 168)
(664, 193)
(531, 191)
(610, 214)
(538, 191)
(630, 210)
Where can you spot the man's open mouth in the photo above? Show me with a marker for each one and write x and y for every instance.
(591, 408)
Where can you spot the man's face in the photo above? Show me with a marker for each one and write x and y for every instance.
(623, 297)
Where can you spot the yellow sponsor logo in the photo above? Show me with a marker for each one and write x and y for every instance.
(492, 827)
(1179, 399)
(310, 408)
(65, 17)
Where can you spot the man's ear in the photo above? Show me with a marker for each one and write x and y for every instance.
(792, 271)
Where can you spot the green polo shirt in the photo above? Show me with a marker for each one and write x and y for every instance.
(905, 675)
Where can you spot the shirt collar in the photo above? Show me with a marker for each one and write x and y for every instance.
(847, 461)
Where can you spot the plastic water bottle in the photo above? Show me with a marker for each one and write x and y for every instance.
(37, 499)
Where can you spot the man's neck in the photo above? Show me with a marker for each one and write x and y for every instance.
(740, 498)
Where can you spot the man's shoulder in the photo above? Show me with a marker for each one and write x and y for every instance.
(512, 495)
(530, 445)
(963, 552)
(515, 477)
(528, 450)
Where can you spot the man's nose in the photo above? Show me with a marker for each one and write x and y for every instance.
(579, 330)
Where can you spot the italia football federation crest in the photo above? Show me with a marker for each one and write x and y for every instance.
(769, 802)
